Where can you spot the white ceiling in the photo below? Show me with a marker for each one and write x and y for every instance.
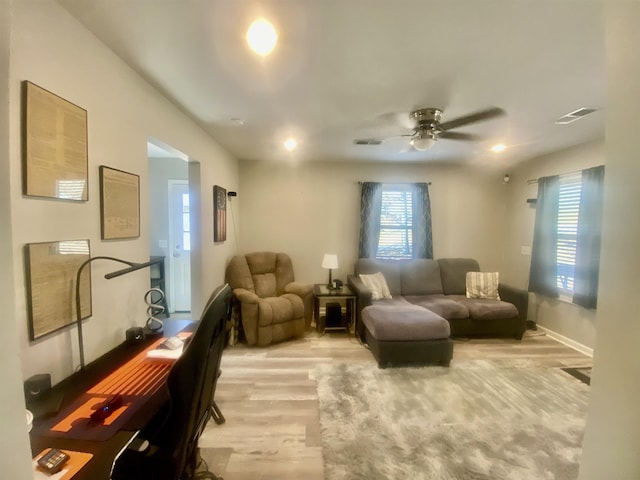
(342, 66)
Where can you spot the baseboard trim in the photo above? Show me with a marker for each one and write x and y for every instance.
(567, 341)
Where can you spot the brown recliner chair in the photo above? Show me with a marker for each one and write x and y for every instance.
(273, 306)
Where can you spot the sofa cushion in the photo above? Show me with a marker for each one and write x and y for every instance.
(404, 323)
(483, 285)
(453, 272)
(441, 305)
(487, 309)
(397, 301)
(377, 284)
(420, 277)
(389, 268)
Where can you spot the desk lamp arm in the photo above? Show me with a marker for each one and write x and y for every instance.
(131, 268)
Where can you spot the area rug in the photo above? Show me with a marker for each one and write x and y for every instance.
(472, 421)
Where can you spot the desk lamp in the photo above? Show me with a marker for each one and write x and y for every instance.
(330, 261)
(132, 268)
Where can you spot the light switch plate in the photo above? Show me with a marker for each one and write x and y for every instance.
(525, 250)
(163, 244)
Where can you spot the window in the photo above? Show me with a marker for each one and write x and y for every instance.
(565, 254)
(395, 221)
(396, 224)
(568, 212)
(186, 225)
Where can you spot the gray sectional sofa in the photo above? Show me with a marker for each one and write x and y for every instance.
(440, 287)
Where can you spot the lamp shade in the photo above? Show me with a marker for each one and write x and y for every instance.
(330, 260)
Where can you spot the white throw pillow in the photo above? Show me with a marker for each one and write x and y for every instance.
(483, 285)
(377, 284)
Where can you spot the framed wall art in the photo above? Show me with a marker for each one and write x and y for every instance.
(219, 214)
(54, 146)
(119, 204)
(51, 269)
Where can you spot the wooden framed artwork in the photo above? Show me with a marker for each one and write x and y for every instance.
(219, 214)
(54, 146)
(51, 269)
(119, 204)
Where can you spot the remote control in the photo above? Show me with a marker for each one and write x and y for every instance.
(106, 408)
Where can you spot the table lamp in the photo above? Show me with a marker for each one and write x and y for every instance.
(330, 261)
(131, 268)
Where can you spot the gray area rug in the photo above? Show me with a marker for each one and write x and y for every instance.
(474, 421)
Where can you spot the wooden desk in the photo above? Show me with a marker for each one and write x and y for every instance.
(104, 452)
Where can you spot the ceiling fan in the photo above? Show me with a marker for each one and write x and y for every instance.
(427, 127)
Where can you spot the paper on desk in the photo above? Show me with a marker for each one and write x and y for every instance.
(165, 353)
(40, 475)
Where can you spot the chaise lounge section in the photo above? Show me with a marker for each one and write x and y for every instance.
(408, 334)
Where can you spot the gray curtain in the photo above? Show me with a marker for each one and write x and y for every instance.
(370, 206)
(544, 263)
(585, 291)
(422, 233)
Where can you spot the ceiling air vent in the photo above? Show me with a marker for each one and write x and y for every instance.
(367, 141)
(573, 116)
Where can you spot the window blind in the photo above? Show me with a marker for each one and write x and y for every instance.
(396, 225)
(568, 211)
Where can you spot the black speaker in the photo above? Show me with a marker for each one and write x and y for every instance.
(36, 386)
(334, 315)
(135, 335)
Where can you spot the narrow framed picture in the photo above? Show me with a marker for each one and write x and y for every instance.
(219, 214)
(51, 269)
(119, 204)
(54, 146)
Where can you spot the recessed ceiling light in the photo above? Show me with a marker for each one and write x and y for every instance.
(498, 148)
(262, 37)
(290, 144)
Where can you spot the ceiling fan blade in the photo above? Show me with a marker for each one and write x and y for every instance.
(367, 141)
(460, 136)
(472, 118)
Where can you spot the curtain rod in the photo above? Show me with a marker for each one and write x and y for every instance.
(535, 180)
(360, 182)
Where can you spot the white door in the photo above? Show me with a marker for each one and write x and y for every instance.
(180, 243)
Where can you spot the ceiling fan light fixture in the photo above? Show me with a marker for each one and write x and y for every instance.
(422, 143)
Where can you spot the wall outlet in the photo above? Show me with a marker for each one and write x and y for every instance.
(525, 250)
(163, 244)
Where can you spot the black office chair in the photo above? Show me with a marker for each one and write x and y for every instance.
(172, 453)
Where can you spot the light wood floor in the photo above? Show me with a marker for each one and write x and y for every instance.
(268, 396)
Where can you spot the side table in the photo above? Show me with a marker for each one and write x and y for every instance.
(322, 293)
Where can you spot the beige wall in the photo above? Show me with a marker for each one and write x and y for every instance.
(15, 453)
(613, 426)
(567, 319)
(310, 209)
(54, 51)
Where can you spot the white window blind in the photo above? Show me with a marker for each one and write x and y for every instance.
(568, 210)
(396, 225)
